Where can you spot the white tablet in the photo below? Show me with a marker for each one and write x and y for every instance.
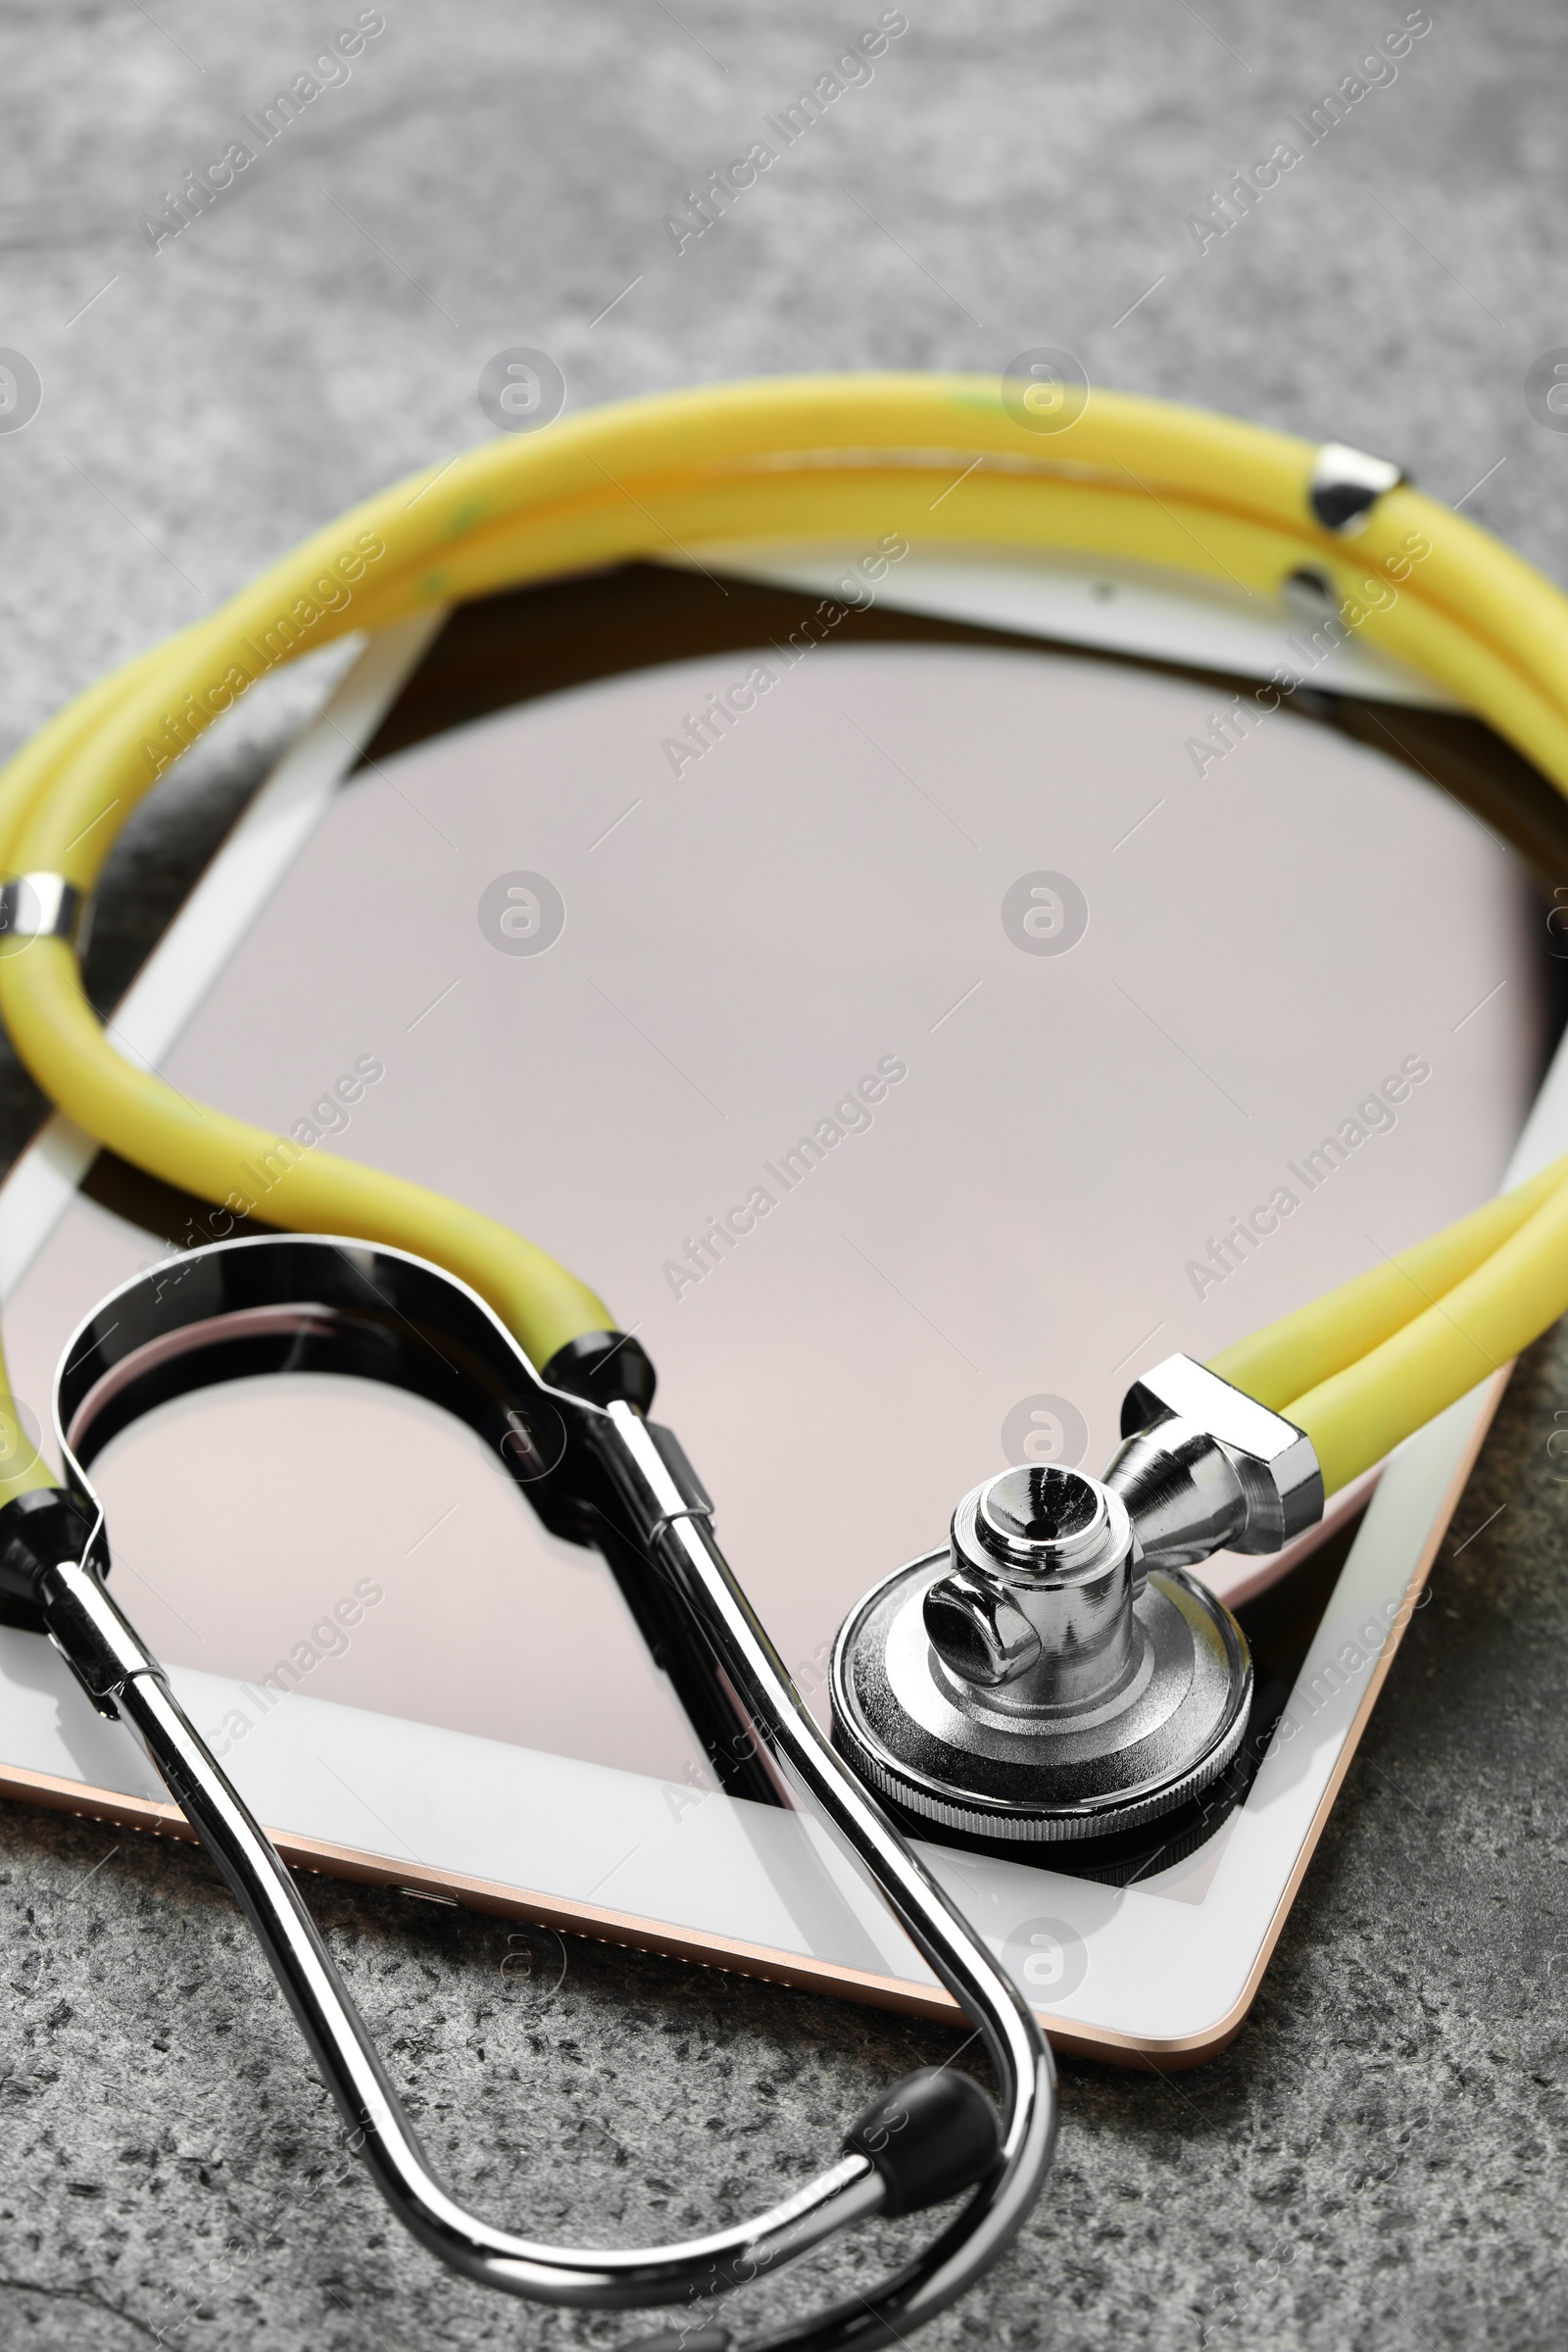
(890, 1196)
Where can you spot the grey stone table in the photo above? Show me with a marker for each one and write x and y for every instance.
(1378, 2158)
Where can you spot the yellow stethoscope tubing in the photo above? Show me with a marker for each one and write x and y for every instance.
(846, 459)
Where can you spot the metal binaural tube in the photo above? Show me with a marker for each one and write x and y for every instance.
(371, 1311)
(80, 1613)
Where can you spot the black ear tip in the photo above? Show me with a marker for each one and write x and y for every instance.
(930, 2137)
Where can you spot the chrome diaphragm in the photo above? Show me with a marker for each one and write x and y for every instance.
(1055, 1674)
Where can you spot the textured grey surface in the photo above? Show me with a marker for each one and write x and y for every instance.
(1377, 2159)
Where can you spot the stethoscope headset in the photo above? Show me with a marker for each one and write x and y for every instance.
(1060, 1594)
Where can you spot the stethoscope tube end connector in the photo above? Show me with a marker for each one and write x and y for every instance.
(607, 1368)
(40, 1530)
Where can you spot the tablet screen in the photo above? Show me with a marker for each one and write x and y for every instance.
(912, 1034)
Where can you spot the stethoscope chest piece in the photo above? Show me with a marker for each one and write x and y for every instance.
(1035, 1682)
(1056, 1678)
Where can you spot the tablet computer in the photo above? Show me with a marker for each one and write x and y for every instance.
(918, 989)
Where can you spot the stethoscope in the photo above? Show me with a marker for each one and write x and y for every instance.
(1054, 1681)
